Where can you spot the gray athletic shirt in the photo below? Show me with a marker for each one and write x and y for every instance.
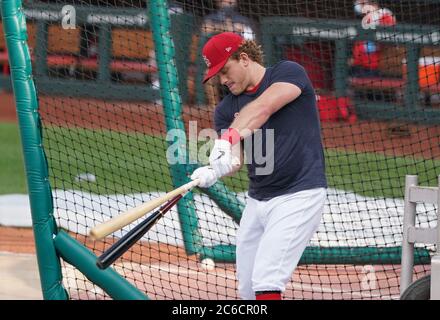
(297, 152)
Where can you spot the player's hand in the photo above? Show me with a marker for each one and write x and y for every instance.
(221, 159)
(206, 175)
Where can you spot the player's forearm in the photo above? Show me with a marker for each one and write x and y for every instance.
(251, 117)
(256, 113)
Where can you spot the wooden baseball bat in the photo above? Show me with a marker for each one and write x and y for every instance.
(128, 240)
(120, 221)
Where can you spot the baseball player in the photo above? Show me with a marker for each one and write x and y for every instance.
(285, 204)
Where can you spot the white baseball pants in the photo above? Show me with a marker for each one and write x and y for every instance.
(272, 238)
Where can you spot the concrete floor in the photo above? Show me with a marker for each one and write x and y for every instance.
(19, 277)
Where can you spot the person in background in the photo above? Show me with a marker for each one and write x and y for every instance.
(225, 19)
(366, 54)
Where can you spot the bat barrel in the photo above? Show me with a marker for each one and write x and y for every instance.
(120, 221)
(128, 240)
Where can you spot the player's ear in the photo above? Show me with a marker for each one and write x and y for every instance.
(244, 57)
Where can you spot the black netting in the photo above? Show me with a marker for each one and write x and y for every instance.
(105, 134)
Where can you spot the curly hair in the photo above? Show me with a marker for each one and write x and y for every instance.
(252, 49)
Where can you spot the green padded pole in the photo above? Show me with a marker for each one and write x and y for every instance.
(332, 255)
(226, 200)
(341, 69)
(172, 104)
(411, 96)
(85, 261)
(14, 25)
(169, 87)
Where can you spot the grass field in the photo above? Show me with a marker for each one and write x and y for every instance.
(12, 178)
(377, 175)
(127, 163)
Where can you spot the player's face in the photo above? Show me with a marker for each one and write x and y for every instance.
(234, 76)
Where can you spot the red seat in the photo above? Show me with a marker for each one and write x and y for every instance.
(61, 60)
(432, 89)
(3, 56)
(332, 109)
(118, 65)
(377, 83)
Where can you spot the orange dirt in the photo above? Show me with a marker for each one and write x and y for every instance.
(18, 240)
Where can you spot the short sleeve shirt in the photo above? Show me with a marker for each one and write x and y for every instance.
(289, 142)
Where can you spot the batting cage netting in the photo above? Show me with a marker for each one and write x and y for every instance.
(123, 116)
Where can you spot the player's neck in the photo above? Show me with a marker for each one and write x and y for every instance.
(257, 75)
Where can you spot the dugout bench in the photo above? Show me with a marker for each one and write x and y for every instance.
(124, 45)
(409, 41)
(393, 74)
(427, 287)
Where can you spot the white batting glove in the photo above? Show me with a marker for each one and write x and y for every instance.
(206, 175)
(221, 159)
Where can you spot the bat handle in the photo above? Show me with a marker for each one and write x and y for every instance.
(192, 184)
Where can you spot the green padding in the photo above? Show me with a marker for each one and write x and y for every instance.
(172, 104)
(85, 261)
(360, 255)
(219, 253)
(334, 255)
(226, 200)
(14, 26)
